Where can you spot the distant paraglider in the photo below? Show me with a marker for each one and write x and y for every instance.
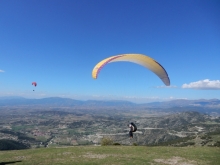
(34, 84)
(140, 59)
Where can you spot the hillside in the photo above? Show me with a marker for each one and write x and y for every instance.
(72, 127)
(109, 155)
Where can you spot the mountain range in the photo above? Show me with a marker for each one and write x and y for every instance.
(67, 102)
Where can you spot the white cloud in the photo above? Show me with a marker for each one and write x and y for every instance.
(162, 86)
(203, 84)
(1, 71)
(176, 98)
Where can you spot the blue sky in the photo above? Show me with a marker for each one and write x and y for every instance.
(57, 43)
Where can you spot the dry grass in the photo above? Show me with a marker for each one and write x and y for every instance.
(117, 155)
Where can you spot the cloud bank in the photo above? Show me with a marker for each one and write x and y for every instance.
(203, 84)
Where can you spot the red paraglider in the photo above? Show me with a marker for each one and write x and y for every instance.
(34, 83)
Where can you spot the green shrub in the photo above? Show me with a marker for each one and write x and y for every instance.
(116, 144)
(106, 142)
(217, 144)
(134, 144)
(191, 143)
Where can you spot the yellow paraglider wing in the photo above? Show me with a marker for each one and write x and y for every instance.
(140, 59)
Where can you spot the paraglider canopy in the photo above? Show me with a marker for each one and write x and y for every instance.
(34, 83)
(140, 59)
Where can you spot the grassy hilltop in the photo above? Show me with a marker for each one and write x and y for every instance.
(109, 155)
